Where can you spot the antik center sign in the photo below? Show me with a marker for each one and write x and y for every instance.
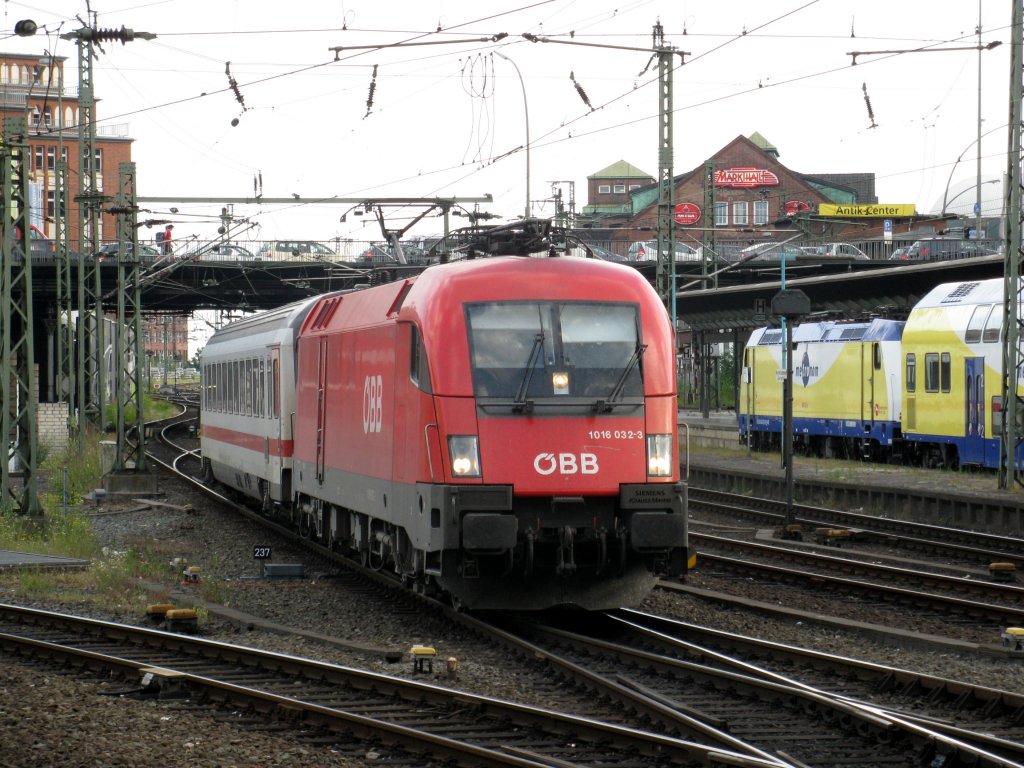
(860, 211)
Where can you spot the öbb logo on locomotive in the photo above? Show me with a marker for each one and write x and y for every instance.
(373, 404)
(565, 464)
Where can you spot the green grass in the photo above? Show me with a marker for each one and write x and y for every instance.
(113, 578)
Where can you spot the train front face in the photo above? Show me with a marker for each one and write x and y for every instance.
(562, 457)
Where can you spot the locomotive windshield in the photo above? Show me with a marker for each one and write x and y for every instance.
(525, 351)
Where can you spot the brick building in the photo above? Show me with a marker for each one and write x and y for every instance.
(35, 87)
(755, 195)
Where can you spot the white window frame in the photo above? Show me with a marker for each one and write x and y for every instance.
(740, 212)
(760, 212)
(619, 189)
(721, 213)
(604, 189)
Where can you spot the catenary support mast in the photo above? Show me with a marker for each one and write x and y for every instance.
(1012, 430)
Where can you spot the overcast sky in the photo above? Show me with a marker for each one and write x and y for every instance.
(448, 120)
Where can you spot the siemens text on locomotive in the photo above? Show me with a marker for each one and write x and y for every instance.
(502, 430)
(925, 391)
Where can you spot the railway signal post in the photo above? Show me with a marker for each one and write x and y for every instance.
(789, 304)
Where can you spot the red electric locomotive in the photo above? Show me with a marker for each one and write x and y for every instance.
(502, 429)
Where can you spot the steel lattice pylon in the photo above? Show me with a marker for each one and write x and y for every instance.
(665, 275)
(91, 346)
(1012, 429)
(18, 394)
(65, 330)
(130, 357)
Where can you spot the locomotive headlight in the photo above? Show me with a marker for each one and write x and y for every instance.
(464, 452)
(560, 383)
(659, 455)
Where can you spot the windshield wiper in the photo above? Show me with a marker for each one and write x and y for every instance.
(603, 406)
(521, 403)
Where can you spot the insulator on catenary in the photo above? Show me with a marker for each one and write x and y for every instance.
(580, 91)
(373, 87)
(867, 101)
(122, 35)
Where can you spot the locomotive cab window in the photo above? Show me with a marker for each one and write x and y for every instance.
(992, 326)
(537, 350)
(945, 372)
(977, 323)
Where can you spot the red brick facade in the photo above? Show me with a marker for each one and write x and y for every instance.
(35, 87)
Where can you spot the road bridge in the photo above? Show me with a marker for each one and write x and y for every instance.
(866, 288)
(740, 301)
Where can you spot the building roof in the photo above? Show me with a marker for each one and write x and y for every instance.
(764, 144)
(620, 170)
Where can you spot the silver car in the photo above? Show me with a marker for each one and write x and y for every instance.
(647, 250)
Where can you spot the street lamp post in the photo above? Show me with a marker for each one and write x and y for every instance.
(526, 113)
(953, 169)
(977, 209)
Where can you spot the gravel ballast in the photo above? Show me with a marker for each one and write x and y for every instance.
(52, 718)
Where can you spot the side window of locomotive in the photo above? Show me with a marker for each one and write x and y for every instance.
(931, 372)
(419, 371)
(876, 354)
(945, 372)
(911, 372)
(992, 326)
(977, 323)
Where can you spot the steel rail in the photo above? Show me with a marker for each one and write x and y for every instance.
(134, 643)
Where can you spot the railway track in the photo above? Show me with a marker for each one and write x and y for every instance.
(661, 710)
(330, 703)
(943, 541)
(809, 725)
(1000, 513)
(994, 602)
(992, 719)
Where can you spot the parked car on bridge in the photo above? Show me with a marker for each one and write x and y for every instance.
(376, 254)
(900, 254)
(938, 248)
(770, 251)
(226, 252)
(108, 252)
(292, 250)
(647, 250)
(838, 251)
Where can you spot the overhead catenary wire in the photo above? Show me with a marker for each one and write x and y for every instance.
(545, 139)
